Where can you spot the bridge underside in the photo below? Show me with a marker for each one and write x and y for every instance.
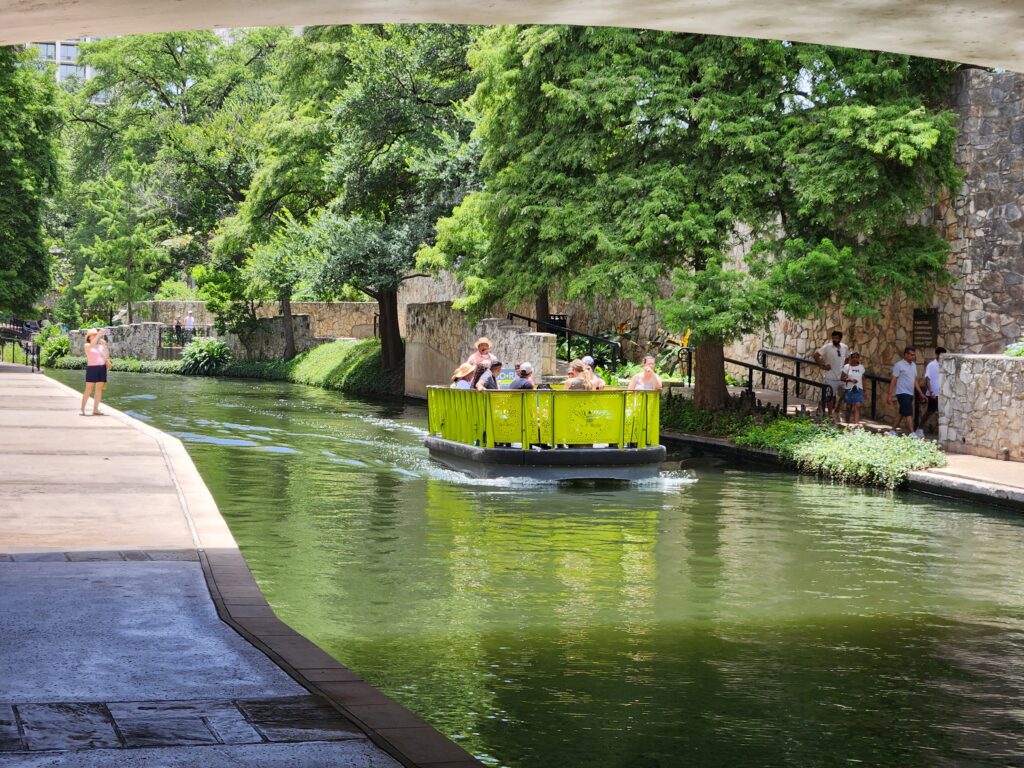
(983, 32)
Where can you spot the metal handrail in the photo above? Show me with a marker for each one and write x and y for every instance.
(874, 378)
(28, 347)
(561, 330)
(826, 390)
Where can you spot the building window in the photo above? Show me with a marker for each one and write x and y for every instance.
(47, 51)
(70, 70)
(69, 52)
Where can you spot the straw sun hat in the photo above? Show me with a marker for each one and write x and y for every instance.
(463, 370)
(482, 340)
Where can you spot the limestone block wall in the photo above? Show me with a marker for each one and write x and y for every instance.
(328, 319)
(981, 405)
(268, 342)
(139, 340)
(438, 338)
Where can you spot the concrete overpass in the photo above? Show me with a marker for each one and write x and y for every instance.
(983, 32)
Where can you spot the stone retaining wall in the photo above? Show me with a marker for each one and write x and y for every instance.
(438, 338)
(981, 405)
(328, 319)
(142, 340)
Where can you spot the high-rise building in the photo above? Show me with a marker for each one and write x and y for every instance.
(64, 54)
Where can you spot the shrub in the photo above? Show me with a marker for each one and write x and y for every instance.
(122, 364)
(1016, 349)
(204, 357)
(678, 412)
(866, 458)
(49, 332)
(54, 348)
(783, 434)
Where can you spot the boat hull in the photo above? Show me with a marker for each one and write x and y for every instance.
(560, 464)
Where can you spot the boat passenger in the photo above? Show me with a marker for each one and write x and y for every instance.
(483, 353)
(596, 381)
(489, 378)
(523, 379)
(576, 382)
(463, 376)
(647, 379)
(575, 372)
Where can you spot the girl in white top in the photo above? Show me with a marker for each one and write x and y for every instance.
(852, 376)
(647, 379)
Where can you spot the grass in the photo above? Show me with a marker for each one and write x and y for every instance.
(856, 457)
(352, 367)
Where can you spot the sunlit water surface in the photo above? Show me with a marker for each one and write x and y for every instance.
(714, 617)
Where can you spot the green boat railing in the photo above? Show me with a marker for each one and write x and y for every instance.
(544, 417)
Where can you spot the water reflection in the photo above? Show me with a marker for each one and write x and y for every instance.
(751, 618)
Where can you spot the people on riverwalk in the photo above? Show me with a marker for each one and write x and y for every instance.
(902, 387)
(462, 377)
(596, 381)
(932, 384)
(190, 326)
(831, 358)
(524, 377)
(647, 379)
(852, 377)
(483, 352)
(489, 378)
(177, 329)
(97, 357)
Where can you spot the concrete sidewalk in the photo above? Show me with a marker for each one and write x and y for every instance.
(974, 478)
(131, 630)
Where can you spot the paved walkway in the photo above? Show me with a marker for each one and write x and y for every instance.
(131, 631)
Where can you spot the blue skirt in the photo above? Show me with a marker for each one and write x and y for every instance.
(96, 374)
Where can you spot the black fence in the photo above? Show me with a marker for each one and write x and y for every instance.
(21, 349)
(606, 352)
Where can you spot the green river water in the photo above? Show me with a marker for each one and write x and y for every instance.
(714, 617)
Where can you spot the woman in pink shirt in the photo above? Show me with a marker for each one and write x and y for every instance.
(97, 358)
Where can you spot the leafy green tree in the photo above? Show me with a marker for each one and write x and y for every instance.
(614, 158)
(125, 257)
(29, 118)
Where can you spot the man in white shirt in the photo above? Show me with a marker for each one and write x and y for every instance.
(831, 358)
(902, 387)
(932, 384)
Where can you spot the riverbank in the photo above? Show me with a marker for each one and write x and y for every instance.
(345, 365)
(155, 634)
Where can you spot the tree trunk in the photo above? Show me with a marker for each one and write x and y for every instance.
(391, 348)
(542, 308)
(709, 392)
(289, 330)
(130, 316)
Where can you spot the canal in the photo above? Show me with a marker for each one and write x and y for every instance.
(713, 617)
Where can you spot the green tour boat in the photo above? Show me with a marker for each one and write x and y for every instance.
(611, 434)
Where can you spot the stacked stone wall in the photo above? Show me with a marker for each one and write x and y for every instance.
(328, 319)
(981, 405)
(438, 339)
(139, 340)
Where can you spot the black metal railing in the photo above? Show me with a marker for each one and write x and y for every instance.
(178, 335)
(874, 379)
(26, 348)
(825, 390)
(606, 352)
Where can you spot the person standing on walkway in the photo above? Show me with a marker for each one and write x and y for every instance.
(97, 359)
(177, 329)
(831, 358)
(932, 384)
(190, 326)
(902, 387)
(853, 377)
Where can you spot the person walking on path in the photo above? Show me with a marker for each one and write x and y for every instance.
(932, 384)
(831, 358)
(853, 377)
(190, 326)
(647, 379)
(97, 362)
(902, 387)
